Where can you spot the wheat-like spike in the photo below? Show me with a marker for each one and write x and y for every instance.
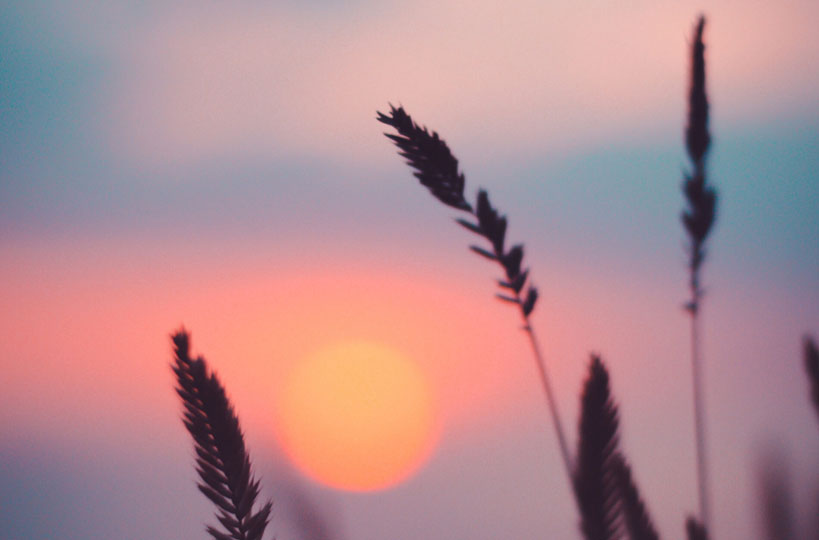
(695, 530)
(636, 520)
(811, 354)
(437, 169)
(435, 166)
(222, 461)
(697, 138)
(595, 481)
(698, 218)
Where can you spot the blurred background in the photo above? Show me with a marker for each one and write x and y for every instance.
(220, 167)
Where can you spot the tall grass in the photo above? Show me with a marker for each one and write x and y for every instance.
(610, 504)
(606, 510)
(222, 461)
(600, 477)
(698, 219)
(811, 355)
(437, 170)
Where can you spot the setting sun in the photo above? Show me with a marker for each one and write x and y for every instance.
(357, 416)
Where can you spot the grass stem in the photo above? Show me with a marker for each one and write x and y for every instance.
(552, 402)
(437, 170)
(698, 219)
(699, 421)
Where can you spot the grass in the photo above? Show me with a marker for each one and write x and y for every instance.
(601, 480)
(600, 477)
(811, 355)
(698, 220)
(437, 170)
(222, 461)
(608, 499)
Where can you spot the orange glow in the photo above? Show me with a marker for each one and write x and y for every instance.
(357, 416)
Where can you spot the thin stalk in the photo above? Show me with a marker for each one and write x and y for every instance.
(550, 398)
(699, 421)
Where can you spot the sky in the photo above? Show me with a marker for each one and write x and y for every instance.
(219, 167)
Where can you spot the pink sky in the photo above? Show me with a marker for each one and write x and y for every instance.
(260, 79)
(220, 167)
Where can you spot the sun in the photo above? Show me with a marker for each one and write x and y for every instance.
(357, 416)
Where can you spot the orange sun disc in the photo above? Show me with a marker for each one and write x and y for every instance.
(357, 416)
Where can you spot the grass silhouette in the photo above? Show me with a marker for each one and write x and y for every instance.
(698, 220)
(811, 354)
(636, 521)
(437, 170)
(222, 461)
(594, 473)
(601, 478)
(607, 496)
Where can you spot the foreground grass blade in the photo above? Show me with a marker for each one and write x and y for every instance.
(595, 483)
(701, 198)
(437, 169)
(222, 461)
(811, 354)
(698, 219)
(695, 530)
(636, 520)
(609, 501)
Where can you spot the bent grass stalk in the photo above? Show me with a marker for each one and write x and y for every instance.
(437, 169)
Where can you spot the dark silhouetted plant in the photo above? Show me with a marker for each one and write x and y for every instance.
(636, 520)
(776, 496)
(695, 529)
(811, 354)
(600, 477)
(610, 504)
(222, 461)
(437, 169)
(698, 219)
(594, 481)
